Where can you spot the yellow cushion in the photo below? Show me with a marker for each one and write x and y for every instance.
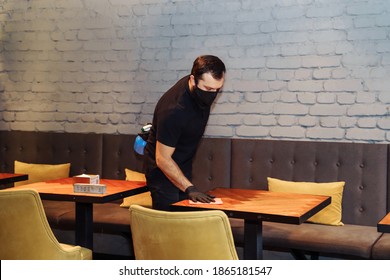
(331, 214)
(143, 199)
(41, 172)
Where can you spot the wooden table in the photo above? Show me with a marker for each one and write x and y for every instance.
(256, 206)
(62, 190)
(7, 178)
(384, 224)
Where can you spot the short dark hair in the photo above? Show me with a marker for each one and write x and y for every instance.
(208, 64)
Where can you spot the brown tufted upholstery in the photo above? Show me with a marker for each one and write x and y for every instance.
(237, 163)
(211, 167)
(83, 151)
(362, 166)
(118, 154)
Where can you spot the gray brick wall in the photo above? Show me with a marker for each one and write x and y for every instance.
(303, 70)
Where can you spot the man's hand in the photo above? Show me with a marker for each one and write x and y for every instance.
(195, 195)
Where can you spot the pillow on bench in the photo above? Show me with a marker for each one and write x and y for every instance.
(143, 199)
(41, 172)
(331, 214)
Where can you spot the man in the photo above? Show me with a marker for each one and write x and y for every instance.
(179, 121)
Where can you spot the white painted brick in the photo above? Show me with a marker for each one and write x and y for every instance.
(97, 46)
(252, 131)
(306, 98)
(289, 12)
(69, 4)
(268, 27)
(249, 75)
(288, 97)
(270, 97)
(327, 110)
(367, 123)
(382, 20)
(70, 107)
(285, 75)
(251, 120)
(268, 120)
(384, 97)
(290, 109)
(366, 97)
(228, 119)
(319, 67)
(325, 133)
(365, 134)
(46, 87)
(286, 120)
(23, 126)
(343, 23)
(249, 40)
(326, 98)
(268, 75)
(364, 9)
(307, 121)
(378, 84)
(290, 37)
(252, 97)
(306, 86)
(340, 73)
(343, 85)
(219, 41)
(367, 110)
(300, 24)
(386, 60)
(318, 61)
(330, 122)
(251, 86)
(284, 62)
(362, 22)
(347, 122)
(383, 123)
(263, 15)
(344, 47)
(290, 50)
(325, 11)
(379, 72)
(367, 34)
(220, 131)
(248, 63)
(252, 108)
(322, 74)
(68, 46)
(8, 116)
(321, 24)
(295, 132)
(326, 48)
(346, 98)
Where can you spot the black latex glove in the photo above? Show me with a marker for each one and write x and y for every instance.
(195, 195)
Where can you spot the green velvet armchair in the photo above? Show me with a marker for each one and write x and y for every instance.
(193, 235)
(25, 233)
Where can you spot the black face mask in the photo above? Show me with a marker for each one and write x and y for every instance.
(204, 98)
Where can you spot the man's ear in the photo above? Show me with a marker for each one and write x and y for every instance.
(192, 80)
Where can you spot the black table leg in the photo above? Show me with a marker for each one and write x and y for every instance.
(253, 240)
(84, 224)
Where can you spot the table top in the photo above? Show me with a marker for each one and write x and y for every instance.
(384, 224)
(6, 178)
(262, 205)
(62, 189)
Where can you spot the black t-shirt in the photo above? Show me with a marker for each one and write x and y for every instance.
(177, 122)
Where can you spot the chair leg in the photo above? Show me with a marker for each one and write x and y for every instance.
(301, 255)
(298, 254)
